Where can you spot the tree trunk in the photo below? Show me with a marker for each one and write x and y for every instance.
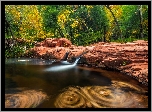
(59, 30)
(61, 33)
(141, 20)
(8, 27)
(115, 20)
(104, 37)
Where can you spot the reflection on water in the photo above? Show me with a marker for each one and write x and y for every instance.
(102, 97)
(29, 61)
(24, 98)
(84, 83)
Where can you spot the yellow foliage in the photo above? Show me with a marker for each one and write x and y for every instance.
(21, 28)
(145, 23)
(43, 8)
(50, 34)
(89, 6)
(134, 31)
(75, 24)
(76, 35)
(63, 17)
(108, 34)
(117, 11)
(27, 18)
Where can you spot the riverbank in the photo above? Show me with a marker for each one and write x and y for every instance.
(130, 58)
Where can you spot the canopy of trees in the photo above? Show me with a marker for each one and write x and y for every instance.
(82, 24)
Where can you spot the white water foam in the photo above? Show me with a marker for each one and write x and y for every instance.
(23, 60)
(62, 67)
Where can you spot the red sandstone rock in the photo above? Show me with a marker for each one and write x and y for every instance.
(130, 58)
(53, 42)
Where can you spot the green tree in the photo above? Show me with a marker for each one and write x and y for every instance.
(133, 23)
(49, 14)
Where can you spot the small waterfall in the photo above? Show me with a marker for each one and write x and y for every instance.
(76, 61)
(64, 67)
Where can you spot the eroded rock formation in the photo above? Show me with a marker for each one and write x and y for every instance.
(130, 58)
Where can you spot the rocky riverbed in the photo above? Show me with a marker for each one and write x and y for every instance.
(130, 58)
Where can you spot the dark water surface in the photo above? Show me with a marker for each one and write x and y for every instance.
(35, 74)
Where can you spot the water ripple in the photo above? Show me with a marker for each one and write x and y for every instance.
(114, 96)
(24, 99)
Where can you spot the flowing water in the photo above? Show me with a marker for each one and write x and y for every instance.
(36, 83)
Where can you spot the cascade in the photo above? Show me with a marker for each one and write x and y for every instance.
(64, 65)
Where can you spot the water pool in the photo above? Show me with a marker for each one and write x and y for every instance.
(72, 87)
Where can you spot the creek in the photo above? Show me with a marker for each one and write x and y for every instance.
(70, 85)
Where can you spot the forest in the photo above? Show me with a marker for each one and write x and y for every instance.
(81, 24)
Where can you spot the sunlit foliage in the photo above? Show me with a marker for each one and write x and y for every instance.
(82, 24)
(26, 24)
(27, 20)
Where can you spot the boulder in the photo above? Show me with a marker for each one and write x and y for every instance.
(53, 42)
